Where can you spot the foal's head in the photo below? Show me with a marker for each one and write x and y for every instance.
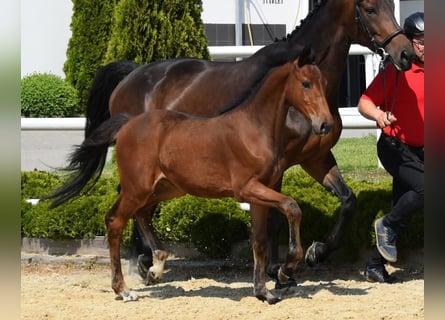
(305, 91)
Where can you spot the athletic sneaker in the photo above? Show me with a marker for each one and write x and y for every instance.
(378, 274)
(385, 240)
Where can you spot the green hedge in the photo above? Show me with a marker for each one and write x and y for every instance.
(81, 218)
(210, 225)
(213, 226)
(48, 95)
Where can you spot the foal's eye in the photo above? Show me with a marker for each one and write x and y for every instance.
(306, 84)
(371, 11)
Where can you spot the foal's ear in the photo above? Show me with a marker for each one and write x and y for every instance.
(307, 56)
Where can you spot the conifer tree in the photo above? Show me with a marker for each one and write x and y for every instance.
(91, 28)
(146, 31)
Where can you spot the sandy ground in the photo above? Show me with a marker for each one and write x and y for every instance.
(79, 288)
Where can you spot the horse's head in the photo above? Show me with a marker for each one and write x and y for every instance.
(377, 29)
(305, 91)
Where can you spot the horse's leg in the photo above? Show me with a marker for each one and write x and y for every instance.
(259, 195)
(116, 220)
(326, 172)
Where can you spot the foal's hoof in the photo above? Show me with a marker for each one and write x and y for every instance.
(153, 275)
(129, 296)
(315, 253)
(269, 297)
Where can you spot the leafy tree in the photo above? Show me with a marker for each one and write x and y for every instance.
(91, 28)
(145, 31)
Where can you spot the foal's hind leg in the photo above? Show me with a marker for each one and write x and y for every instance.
(163, 190)
(116, 220)
(259, 216)
(326, 172)
(159, 252)
(275, 222)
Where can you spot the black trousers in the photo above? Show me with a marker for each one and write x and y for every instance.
(405, 164)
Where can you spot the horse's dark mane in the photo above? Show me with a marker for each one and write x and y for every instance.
(303, 21)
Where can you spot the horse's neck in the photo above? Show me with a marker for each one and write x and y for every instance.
(253, 69)
(326, 32)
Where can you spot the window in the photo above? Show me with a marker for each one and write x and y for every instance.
(224, 34)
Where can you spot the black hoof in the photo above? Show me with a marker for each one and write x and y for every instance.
(272, 272)
(289, 284)
(143, 264)
(315, 253)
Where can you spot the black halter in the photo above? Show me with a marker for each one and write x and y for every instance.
(379, 45)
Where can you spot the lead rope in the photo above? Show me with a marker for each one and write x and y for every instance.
(382, 67)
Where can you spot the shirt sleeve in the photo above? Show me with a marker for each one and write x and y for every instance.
(377, 89)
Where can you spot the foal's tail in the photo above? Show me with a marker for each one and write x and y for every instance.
(88, 160)
(104, 83)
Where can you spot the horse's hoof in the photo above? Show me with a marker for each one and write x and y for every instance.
(289, 284)
(129, 296)
(315, 253)
(272, 272)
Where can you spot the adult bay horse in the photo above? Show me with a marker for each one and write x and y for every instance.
(203, 88)
(163, 154)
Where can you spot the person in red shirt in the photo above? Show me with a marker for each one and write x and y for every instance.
(395, 100)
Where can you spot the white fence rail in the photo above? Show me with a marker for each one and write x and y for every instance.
(219, 52)
(350, 117)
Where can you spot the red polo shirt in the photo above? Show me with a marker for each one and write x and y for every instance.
(408, 106)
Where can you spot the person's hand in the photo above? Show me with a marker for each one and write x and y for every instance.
(384, 119)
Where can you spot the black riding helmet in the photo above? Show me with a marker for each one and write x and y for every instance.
(414, 25)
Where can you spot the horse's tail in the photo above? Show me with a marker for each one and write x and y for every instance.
(87, 161)
(104, 83)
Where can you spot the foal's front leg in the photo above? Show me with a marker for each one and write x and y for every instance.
(260, 196)
(295, 253)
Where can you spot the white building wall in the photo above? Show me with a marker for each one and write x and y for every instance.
(288, 12)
